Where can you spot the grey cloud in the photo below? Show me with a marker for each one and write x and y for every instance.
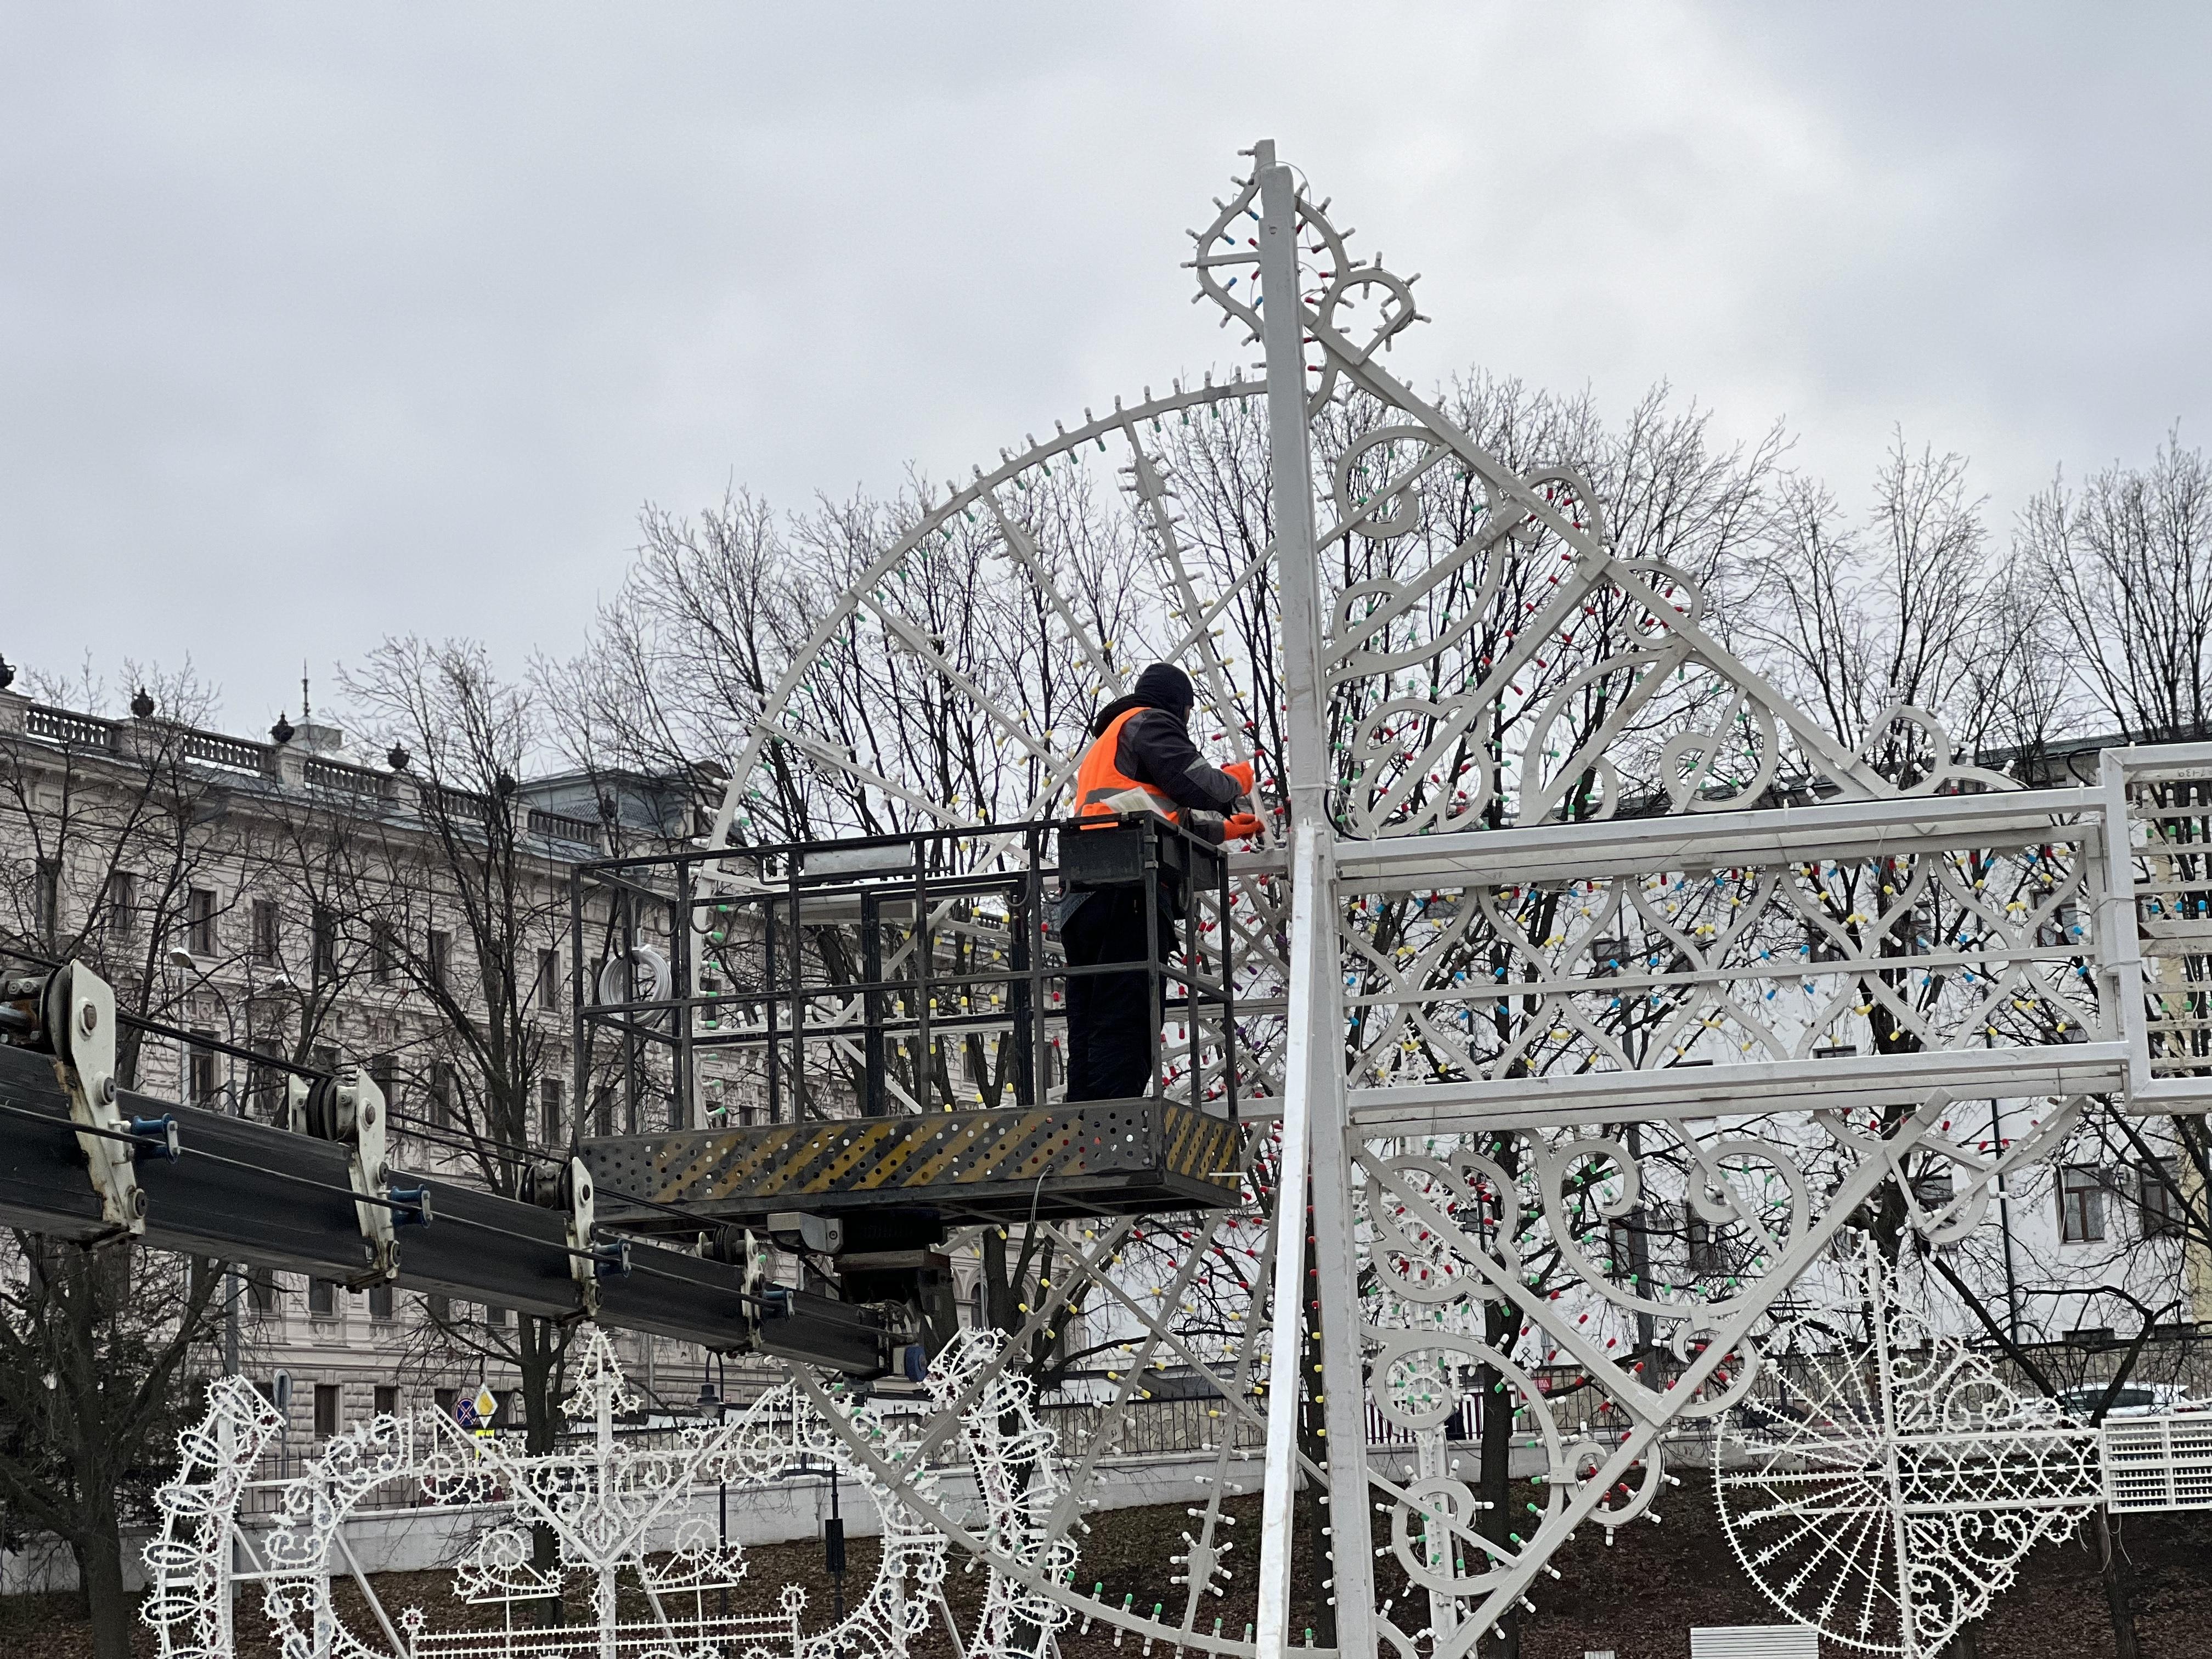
(317, 325)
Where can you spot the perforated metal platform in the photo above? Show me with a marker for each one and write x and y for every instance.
(1119, 1158)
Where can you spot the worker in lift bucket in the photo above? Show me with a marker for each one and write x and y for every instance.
(1140, 758)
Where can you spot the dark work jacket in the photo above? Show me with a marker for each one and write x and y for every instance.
(1155, 748)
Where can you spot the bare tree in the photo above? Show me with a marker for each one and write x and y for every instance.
(2127, 562)
(461, 907)
(122, 844)
(98, 1346)
(1908, 607)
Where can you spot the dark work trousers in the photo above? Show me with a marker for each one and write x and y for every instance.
(1112, 1018)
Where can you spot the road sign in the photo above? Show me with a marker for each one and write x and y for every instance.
(486, 1407)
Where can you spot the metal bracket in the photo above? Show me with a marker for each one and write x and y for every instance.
(817, 1235)
(568, 1187)
(350, 1108)
(296, 1091)
(584, 1263)
(79, 1015)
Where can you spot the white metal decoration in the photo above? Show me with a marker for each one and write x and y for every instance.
(1886, 1489)
(619, 1514)
(1592, 989)
(1619, 944)
(192, 1560)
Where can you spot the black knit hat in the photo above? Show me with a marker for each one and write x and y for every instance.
(1165, 686)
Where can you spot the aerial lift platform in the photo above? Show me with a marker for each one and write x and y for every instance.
(824, 979)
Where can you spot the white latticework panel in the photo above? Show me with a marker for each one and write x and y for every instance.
(2159, 1463)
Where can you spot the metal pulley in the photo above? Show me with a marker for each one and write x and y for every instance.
(68, 1014)
(567, 1187)
(349, 1109)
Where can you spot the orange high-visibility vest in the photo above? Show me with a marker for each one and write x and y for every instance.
(1098, 779)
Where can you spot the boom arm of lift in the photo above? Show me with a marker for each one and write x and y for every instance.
(82, 1159)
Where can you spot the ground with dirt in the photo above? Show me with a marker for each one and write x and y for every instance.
(1638, 1597)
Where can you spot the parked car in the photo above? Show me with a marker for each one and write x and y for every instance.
(2133, 1399)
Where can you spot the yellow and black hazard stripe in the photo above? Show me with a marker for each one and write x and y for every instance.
(1118, 1156)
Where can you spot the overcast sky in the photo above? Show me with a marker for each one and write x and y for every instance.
(319, 323)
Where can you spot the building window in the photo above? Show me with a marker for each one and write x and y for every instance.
(326, 1410)
(379, 1303)
(46, 898)
(448, 1401)
(199, 922)
(1932, 1189)
(122, 903)
(203, 1073)
(261, 1290)
(2081, 1204)
(441, 1094)
(264, 1085)
(323, 926)
(323, 1298)
(387, 1399)
(382, 952)
(549, 979)
(548, 1109)
(2160, 1206)
(439, 1307)
(441, 951)
(503, 1412)
(498, 1318)
(1705, 1254)
(266, 939)
(384, 1073)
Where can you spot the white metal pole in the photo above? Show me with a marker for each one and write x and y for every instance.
(1280, 1487)
(1282, 333)
(1313, 1078)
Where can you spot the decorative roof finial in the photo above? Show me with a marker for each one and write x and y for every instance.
(143, 704)
(282, 732)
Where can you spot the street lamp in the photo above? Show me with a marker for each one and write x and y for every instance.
(710, 1401)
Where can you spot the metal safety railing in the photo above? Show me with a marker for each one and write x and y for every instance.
(887, 973)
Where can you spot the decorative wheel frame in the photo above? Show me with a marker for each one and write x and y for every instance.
(1886, 1489)
(1607, 699)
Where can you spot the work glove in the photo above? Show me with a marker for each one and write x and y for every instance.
(1241, 827)
(1242, 771)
